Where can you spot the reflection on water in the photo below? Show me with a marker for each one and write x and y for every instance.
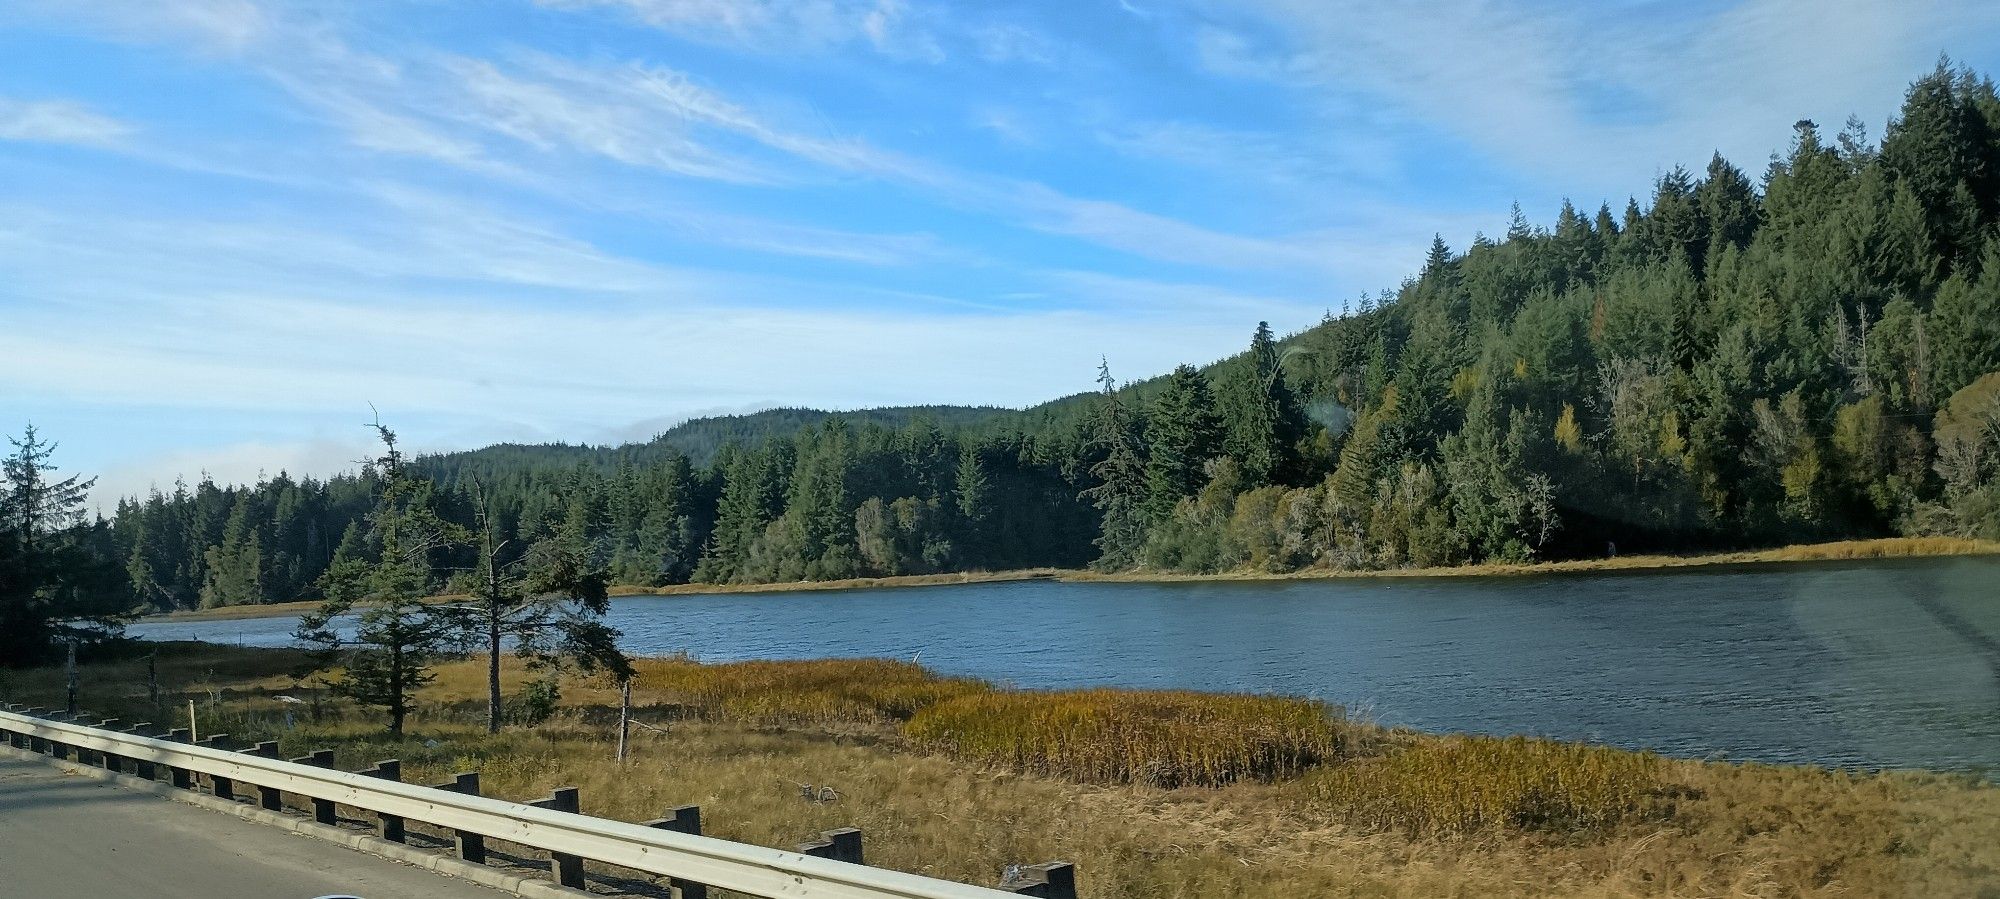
(1878, 664)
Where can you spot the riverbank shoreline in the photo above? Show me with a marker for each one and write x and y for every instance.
(957, 778)
(1836, 551)
(1881, 549)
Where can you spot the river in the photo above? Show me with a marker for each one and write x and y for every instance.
(1856, 664)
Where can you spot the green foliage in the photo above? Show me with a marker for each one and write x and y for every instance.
(236, 565)
(61, 576)
(1183, 433)
(1965, 324)
(1120, 473)
(1968, 456)
(538, 700)
(1729, 362)
(395, 637)
(1262, 418)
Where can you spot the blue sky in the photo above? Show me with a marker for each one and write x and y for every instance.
(228, 226)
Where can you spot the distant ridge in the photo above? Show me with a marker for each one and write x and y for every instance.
(700, 439)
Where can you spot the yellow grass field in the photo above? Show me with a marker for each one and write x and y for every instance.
(1151, 794)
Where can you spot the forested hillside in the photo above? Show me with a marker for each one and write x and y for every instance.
(700, 439)
(1733, 360)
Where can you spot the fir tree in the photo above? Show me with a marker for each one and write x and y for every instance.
(1183, 432)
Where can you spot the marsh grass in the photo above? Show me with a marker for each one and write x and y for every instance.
(1883, 548)
(1465, 784)
(1159, 738)
(806, 692)
(793, 693)
(1699, 829)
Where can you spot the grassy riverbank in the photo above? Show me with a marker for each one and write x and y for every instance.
(1884, 548)
(1153, 794)
(1835, 551)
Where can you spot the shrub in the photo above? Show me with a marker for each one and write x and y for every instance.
(1163, 738)
(538, 700)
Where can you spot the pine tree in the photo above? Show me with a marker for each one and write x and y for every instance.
(1729, 206)
(1966, 322)
(1262, 417)
(236, 565)
(395, 636)
(549, 601)
(1183, 432)
(1120, 491)
(973, 492)
(1940, 147)
(55, 580)
(753, 495)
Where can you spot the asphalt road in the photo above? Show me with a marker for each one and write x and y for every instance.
(69, 837)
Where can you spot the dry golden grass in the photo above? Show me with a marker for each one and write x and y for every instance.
(1161, 738)
(1709, 829)
(824, 691)
(1464, 784)
(1885, 548)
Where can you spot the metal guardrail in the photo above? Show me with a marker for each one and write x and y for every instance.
(744, 868)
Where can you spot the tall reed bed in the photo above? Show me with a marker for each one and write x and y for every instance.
(1883, 548)
(1461, 784)
(1162, 738)
(798, 692)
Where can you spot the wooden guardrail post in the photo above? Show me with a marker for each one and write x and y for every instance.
(566, 868)
(471, 846)
(682, 819)
(1049, 880)
(222, 787)
(268, 798)
(323, 811)
(181, 777)
(389, 826)
(843, 845)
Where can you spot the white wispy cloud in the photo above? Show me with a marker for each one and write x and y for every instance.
(1004, 42)
(59, 122)
(214, 25)
(785, 26)
(619, 119)
(504, 118)
(1506, 77)
(1321, 162)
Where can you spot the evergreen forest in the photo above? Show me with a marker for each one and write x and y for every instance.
(1734, 359)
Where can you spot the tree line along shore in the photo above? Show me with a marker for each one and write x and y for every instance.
(1807, 354)
(1834, 551)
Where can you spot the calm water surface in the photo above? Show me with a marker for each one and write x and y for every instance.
(1885, 664)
